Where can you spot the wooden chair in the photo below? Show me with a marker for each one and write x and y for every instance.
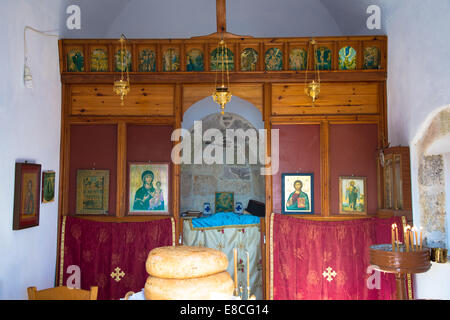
(62, 293)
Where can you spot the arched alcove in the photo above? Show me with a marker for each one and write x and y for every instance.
(199, 182)
(237, 105)
(431, 151)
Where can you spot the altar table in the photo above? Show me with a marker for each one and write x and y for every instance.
(225, 231)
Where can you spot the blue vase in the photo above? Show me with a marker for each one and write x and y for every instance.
(207, 209)
(239, 208)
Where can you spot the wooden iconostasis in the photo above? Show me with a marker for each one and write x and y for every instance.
(340, 135)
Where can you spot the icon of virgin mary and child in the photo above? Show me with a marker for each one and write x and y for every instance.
(148, 197)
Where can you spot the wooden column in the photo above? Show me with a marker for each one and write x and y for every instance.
(121, 168)
(64, 153)
(178, 102)
(267, 111)
(325, 167)
(400, 286)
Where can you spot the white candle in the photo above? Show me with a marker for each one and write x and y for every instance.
(235, 268)
(393, 237)
(248, 270)
(406, 238)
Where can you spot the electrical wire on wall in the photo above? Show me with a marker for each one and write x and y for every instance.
(27, 78)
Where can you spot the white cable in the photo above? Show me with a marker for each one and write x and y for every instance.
(27, 78)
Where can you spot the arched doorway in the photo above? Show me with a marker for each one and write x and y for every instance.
(200, 182)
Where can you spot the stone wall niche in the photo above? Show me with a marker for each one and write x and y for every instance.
(200, 182)
(432, 150)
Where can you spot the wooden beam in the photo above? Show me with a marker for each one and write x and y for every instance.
(210, 77)
(221, 16)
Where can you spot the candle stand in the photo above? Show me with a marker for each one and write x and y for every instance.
(400, 262)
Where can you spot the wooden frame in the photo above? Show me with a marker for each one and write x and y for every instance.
(92, 192)
(349, 193)
(167, 95)
(306, 188)
(26, 195)
(158, 196)
(401, 185)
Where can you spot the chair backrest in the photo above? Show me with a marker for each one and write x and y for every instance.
(62, 293)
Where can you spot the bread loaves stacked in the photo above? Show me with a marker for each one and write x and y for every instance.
(187, 273)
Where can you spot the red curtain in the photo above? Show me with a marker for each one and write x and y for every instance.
(315, 260)
(110, 255)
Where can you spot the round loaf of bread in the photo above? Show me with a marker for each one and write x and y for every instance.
(185, 262)
(214, 287)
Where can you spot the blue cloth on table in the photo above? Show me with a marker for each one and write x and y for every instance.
(224, 219)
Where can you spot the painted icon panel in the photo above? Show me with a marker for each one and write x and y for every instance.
(26, 195)
(352, 195)
(249, 59)
(297, 193)
(75, 60)
(194, 60)
(347, 58)
(48, 186)
(323, 58)
(171, 60)
(147, 60)
(99, 60)
(274, 59)
(297, 59)
(123, 60)
(148, 188)
(224, 201)
(372, 58)
(221, 58)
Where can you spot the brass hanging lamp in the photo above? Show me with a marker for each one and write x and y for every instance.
(312, 89)
(122, 86)
(222, 94)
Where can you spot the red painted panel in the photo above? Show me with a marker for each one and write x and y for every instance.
(353, 151)
(93, 146)
(149, 143)
(299, 147)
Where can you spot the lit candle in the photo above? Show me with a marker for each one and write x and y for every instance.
(416, 237)
(396, 236)
(248, 270)
(235, 268)
(393, 237)
(406, 238)
(411, 237)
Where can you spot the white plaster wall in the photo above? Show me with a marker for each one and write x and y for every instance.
(29, 130)
(418, 84)
(184, 19)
